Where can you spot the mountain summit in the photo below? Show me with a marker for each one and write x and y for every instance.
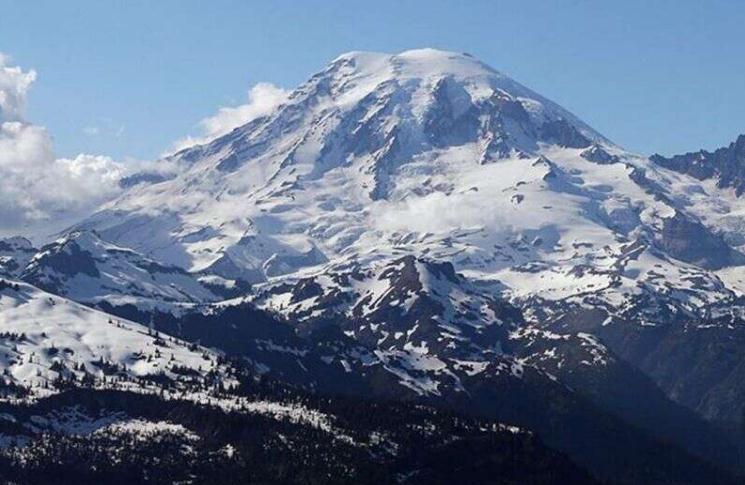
(429, 152)
(368, 137)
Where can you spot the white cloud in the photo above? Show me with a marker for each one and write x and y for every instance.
(14, 84)
(39, 193)
(262, 99)
(438, 213)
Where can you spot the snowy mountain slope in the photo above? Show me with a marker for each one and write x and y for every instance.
(77, 376)
(47, 340)
(349, 127)
(49, 337)
(85, 268)
(439, 334)
(407, 295)
(507, 387)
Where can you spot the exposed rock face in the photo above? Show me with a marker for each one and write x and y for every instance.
(599, 155)
(726, 164)
(564, 134)
(690, 241)
(143, 178)
(15, 253)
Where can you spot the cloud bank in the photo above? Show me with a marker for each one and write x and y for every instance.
(39, 193)
(262, 99)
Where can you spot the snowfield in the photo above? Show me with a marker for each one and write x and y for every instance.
(46, 338)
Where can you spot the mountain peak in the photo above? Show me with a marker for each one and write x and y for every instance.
(419, 63)
(370, 127)
(426, 81)
(17, 242)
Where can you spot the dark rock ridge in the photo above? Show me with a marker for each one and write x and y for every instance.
(689, 240)
(15, 253)
(727, 164)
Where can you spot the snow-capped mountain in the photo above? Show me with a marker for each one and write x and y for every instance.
(436, 155)
(340, 165)
(430, 153)
(420, 226)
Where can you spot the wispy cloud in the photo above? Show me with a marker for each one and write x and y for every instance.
(92, 130)
(106, 128)
(262, 99)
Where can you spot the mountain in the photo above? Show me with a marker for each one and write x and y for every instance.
(15, 253)
(420, 227)
(434, 154)
(325, 362)
(83, 267)
(53, 347)
(335, 148)
(80, 387)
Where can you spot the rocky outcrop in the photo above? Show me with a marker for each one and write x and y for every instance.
(690, 241)
(726, 164)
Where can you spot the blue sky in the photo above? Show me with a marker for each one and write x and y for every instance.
(663, 76)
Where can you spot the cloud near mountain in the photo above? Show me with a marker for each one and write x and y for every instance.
(262, 99)
(40, 193)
